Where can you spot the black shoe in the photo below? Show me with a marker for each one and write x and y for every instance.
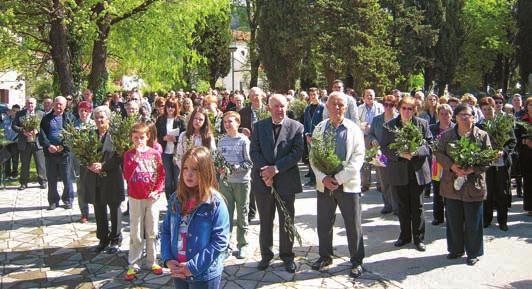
(113, 248)
(420, 247)
(51, 207)
(436, 222)
(503, 227)
(22, 187)
(400, 243)
(385, 211)
(472, 261)
(67, 206)
(356, 271)
(290, 266)
(101, 246)
(451, 256)
(263, 264)
(321, 263)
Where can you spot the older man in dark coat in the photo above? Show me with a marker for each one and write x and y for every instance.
(276, 148)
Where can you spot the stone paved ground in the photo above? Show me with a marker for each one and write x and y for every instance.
(50, 249)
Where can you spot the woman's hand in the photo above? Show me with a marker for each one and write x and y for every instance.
(407, 156)
(459, 171)
(95, 168)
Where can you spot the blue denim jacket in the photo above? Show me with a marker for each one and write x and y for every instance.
(207, 240)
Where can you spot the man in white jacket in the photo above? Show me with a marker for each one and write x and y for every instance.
(341, 189)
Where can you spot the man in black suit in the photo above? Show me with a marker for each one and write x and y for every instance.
(276, 148)
(29, 146)
(249, 115)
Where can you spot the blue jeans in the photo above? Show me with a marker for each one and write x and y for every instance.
(171, 179)
(189, 284)
(464, 227)
(59, 165)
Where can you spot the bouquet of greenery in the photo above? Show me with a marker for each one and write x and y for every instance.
(374, 156)
(223, 168)
(408, 138)
(467, 154)
(263, 113)
(528, 129)
(499, 129)
(297, 106)
(29, 123)
(120, 130)
(322, 153)
(84, 143)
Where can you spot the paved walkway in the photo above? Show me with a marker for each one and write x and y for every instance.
(50, 249)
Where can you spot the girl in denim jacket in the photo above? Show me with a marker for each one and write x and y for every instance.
(195, 230)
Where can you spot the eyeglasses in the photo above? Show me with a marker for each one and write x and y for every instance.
(464, 115)
(407, 108)
(387, 104)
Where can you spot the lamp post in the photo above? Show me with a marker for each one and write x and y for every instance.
(232, 49)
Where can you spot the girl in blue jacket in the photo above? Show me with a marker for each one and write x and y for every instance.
(195, 231)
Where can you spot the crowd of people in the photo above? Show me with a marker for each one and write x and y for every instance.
(212, 153)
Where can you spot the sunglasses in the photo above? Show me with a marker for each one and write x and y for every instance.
(407, 108)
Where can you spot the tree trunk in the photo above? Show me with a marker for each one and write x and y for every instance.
(59, 49)
(98, 74)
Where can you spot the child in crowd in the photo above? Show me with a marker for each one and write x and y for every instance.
(144, 173)
(234, 147)
(195, 231)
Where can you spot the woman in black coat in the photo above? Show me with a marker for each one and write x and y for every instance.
(411, 174)
(105, 187)
(169, 126)
(498, 175)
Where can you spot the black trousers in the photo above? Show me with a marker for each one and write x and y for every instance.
(438, 208)
(11, 165)
(25, 158)
(410, 201)
(497, 180)
(349, 204)
(266, 205)
(105, 233)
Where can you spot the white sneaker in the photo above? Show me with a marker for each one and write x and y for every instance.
(244, 252)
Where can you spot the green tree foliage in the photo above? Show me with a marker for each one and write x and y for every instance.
(212, 41)
(354, 40)
(280, 40)
(524, 41)
(447, 18)
(488, 51)
(411, 36)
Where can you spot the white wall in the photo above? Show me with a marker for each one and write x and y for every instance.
(16, 88)
(240, 61)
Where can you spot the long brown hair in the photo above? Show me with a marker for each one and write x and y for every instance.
(201, 156)
(205, 130)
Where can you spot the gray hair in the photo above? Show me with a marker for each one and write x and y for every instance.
(103, 109)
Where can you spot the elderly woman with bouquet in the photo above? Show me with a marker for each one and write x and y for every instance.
(406, 144)
(105, 185)
(465, 154)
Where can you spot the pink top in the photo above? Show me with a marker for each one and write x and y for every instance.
(145, 174)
